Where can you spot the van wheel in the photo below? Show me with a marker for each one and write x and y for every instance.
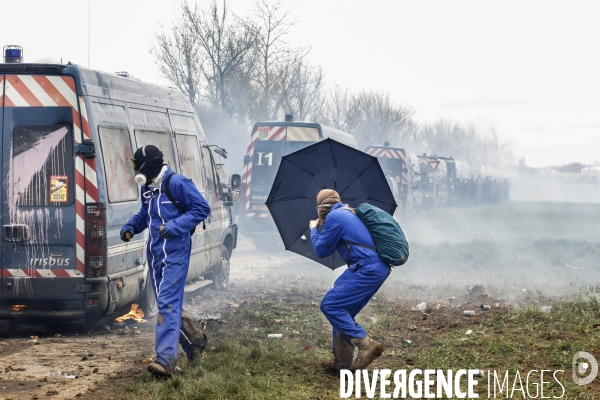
(147, 301)
(220, 276)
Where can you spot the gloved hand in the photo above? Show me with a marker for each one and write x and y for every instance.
(166, 231)
(126, 233)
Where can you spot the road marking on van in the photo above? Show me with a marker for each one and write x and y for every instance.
(38, 90)
(16, 272)
(46, 273)
(42, 273)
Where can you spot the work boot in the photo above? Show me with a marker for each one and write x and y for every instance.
(196, 355)
(332, 365)
(368, 351)
(158, 370)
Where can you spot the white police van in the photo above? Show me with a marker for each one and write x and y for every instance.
(68, 134)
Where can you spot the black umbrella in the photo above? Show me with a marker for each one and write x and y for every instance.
(355, 175)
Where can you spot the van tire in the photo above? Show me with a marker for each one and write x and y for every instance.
(220, 276)
(147, 301)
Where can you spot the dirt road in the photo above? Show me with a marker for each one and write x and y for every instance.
(66, 365)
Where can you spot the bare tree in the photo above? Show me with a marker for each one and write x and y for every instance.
(273, 53)
(376, 118)
(177, 55)
(449, 138)
(502, 147)
(339, 108)
(305, 95)
(225, 42)
(408, 136)
(466, 143)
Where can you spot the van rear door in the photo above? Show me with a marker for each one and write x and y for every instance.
(38, 198)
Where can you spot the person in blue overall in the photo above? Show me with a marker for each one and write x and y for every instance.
(168, 253)
(355, 287)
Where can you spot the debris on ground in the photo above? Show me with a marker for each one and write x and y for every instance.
(477, 291)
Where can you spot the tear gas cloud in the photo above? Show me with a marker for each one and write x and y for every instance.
(224, 132)
(545, 242)
(518, 251)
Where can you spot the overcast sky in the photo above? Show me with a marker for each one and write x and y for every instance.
(529, 68)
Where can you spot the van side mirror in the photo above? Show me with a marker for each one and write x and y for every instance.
(235, 184)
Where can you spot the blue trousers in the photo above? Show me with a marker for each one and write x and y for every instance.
(173, 325)
(350, 293)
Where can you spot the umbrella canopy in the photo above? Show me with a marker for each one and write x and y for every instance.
(355, 175)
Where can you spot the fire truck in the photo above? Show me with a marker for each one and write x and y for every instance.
(269, 141)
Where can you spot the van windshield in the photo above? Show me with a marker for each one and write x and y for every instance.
(41, 171)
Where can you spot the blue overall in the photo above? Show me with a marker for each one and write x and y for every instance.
(356, 286)
(169, 258)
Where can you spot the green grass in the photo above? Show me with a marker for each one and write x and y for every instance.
(551, 250)
(526, 339)
(242, 364)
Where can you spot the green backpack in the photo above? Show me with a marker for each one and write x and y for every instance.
(390, 242)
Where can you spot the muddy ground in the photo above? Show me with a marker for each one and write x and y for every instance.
(86, 365)
(67, 365)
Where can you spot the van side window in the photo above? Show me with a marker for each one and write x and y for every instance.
(162, 140)
(41, 168)
(189, 159)
(117, 155)
(209, 171)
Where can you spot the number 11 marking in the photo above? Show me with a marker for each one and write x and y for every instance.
(269, 156)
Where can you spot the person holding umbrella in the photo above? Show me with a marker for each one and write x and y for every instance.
(345, 232)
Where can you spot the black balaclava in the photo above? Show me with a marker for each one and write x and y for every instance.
(148, 161)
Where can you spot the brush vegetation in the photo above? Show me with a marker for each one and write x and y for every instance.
(241, 363)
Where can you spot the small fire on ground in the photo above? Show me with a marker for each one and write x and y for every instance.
(135, 313)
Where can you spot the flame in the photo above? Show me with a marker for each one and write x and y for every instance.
(17, 307)
(135, 313)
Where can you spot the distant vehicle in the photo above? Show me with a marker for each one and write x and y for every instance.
(269, 141)
(457, 175)
(434, 181)
(68, 134)
(398, 166)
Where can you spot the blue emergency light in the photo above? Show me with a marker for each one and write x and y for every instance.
(13, 54)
